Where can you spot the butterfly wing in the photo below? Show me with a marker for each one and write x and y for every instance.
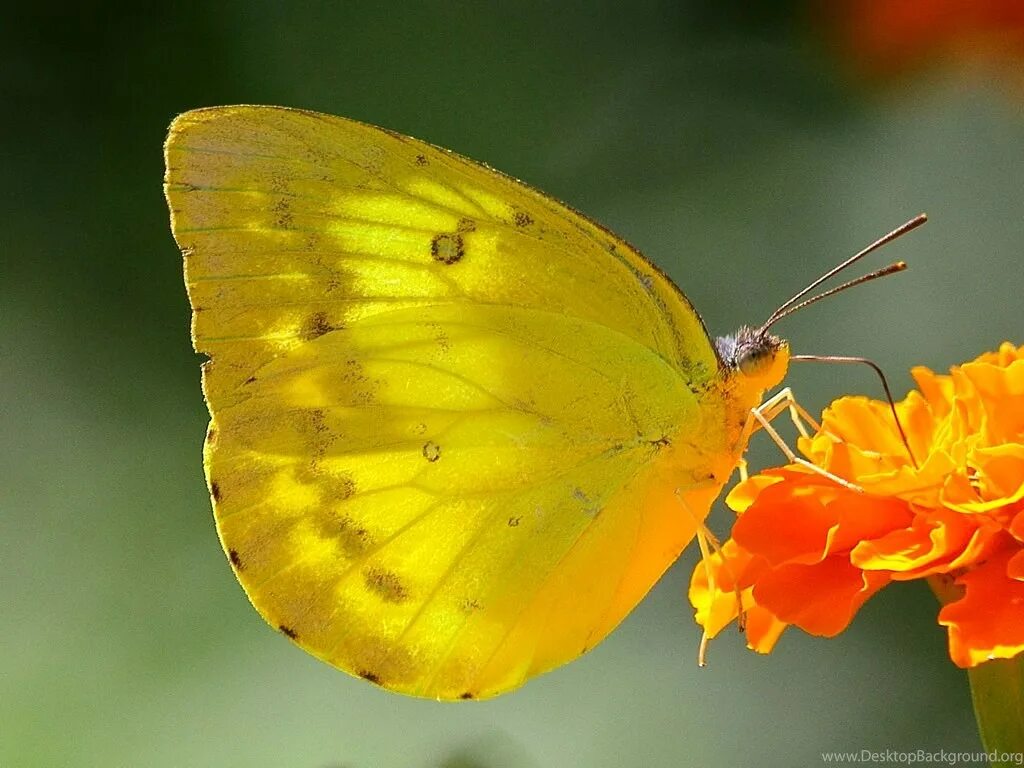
(449, 415)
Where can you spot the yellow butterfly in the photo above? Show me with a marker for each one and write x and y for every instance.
(458, 430)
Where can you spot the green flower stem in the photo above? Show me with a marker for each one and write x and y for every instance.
(997, 690)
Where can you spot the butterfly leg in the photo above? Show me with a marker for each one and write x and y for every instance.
(784, 401)
(708, 544)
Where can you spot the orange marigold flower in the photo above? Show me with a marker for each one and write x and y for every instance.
(807, 551)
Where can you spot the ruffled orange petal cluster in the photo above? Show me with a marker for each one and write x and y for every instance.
(807, 551)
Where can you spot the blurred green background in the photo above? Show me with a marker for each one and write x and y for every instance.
(736, 147)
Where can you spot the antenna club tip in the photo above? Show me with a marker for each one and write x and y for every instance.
(916, 222)
(899, 266)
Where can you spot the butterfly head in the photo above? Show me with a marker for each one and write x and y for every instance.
(761, 358)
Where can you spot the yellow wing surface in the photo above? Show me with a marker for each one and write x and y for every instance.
(449, 415)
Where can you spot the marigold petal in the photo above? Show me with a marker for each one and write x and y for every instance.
(998, 396)
(1006, 354)
(716, 609)
(935, 539)
(862, 516)
(1001, 471)
(744, 493)
(988, 535)
(967, 419)
(865, 423)
(807, 517)
(994, 377)
(789, 522)
(820, 599)
(1015, 566)
(959, 493)
(1016, 527)
(919, 486)
(918, 420)
(937, 390)
(996, 481)
(859, 441)
(988, 621)
(763, 628)
(859, 437)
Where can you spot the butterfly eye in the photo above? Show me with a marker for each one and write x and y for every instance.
(753, 361)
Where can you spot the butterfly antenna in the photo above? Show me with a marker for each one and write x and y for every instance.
(885, 386)
(914, 223)
(795, 304)
(896, 266)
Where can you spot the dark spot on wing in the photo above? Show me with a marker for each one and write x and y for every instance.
(215, 491)
(317, 420)
(352, 536)
(283, 214)
(187, 251)
(443, 341)
(421, 160)
(235, 559)
(661, 442)
(431, 451)
(371, 676)
(315, 326)
(250, 380)
(211, 433)
(447, 248)
(522, 219)
(341, 486)
(360, 384)
(289, 631)
(386, 585)
(466, 225)
(466, 696)
(278, 184)
(470, 605)
(513, 521)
